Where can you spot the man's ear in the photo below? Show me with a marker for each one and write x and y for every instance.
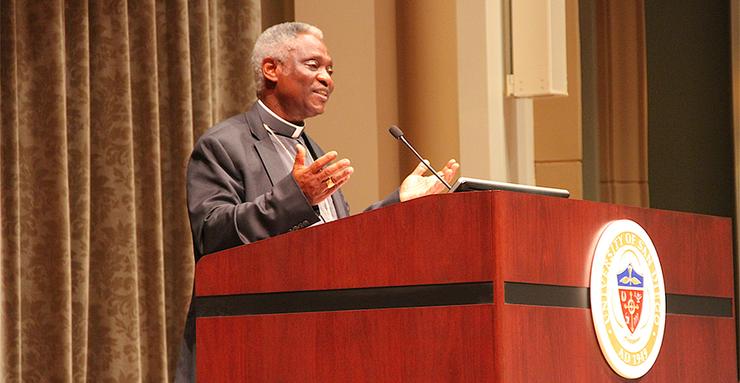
(269, 69)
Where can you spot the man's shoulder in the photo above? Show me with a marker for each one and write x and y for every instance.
(227, 128)
(235, 129)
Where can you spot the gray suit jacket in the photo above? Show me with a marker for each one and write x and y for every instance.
(238, 185)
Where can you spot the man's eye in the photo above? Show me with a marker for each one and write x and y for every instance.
(330, 70)
(313, 65)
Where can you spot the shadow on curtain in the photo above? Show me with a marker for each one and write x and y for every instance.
(100, 103)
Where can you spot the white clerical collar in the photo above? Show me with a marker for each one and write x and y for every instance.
(293, 130)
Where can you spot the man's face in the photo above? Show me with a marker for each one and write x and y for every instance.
(304, 80)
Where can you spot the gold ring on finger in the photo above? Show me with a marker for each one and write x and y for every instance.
(329, 183)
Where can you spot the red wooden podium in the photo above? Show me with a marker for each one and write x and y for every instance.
(475, 287)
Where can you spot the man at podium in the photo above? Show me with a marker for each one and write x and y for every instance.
(258, 174)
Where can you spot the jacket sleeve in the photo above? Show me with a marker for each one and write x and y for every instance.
(387, 201)
(221, 213)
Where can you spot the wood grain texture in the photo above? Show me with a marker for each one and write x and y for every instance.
(442, 239)
(490, 236)
(548, 344)
(551, 241)
(436, 344)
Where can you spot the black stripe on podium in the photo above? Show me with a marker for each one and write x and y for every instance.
(698, 305)
(546, 295)
(578, 297)
(345, 299)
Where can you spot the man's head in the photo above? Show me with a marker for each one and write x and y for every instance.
(292, 69)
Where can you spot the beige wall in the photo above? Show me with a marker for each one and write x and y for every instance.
(436, 68)
(361, 40)
(427, 79)
(412, 85)
(483, 123)
(557, 122)
(387, 96)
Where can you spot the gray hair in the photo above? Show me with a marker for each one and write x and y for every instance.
(275, 42)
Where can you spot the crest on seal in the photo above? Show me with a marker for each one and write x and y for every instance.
(630, 296)
(627, 298)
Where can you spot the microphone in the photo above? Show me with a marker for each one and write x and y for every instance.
(398, 134)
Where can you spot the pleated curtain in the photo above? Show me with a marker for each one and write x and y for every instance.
(100, 104)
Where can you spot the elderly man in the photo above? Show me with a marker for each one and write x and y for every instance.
(258, 174)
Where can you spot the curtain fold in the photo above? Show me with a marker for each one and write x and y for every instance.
(77, 82)
(100, 104)
(10, 267)
(622, 102)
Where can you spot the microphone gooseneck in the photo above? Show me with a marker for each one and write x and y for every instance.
(397, 133)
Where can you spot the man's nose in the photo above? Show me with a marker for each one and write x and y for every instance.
(325, 78)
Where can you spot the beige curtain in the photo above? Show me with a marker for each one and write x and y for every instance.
(100, 104)
(622, 101)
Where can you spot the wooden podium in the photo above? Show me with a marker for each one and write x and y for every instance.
(473, 287)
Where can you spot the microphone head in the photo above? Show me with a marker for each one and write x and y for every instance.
(395, 131)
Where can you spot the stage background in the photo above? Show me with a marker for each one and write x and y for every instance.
(101, 102)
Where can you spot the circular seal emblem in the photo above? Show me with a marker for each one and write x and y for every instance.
(627, 298)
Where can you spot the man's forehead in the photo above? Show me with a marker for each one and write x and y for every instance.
(308, 44)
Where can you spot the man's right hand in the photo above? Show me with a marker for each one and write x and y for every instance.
(321, 179)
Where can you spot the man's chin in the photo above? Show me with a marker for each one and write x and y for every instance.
(318, 110)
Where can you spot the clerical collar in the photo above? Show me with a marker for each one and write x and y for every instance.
(278, 124)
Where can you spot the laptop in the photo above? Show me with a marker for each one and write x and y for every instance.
(464, 184)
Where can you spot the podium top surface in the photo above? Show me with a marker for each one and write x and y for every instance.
(470, 237)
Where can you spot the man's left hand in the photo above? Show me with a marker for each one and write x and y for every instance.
(417, 185)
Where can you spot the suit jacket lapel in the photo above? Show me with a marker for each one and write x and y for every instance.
(271, 159)
(265, 148)
(340, 204)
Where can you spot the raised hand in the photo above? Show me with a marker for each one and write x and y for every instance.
(417, 185)
(320, 179)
